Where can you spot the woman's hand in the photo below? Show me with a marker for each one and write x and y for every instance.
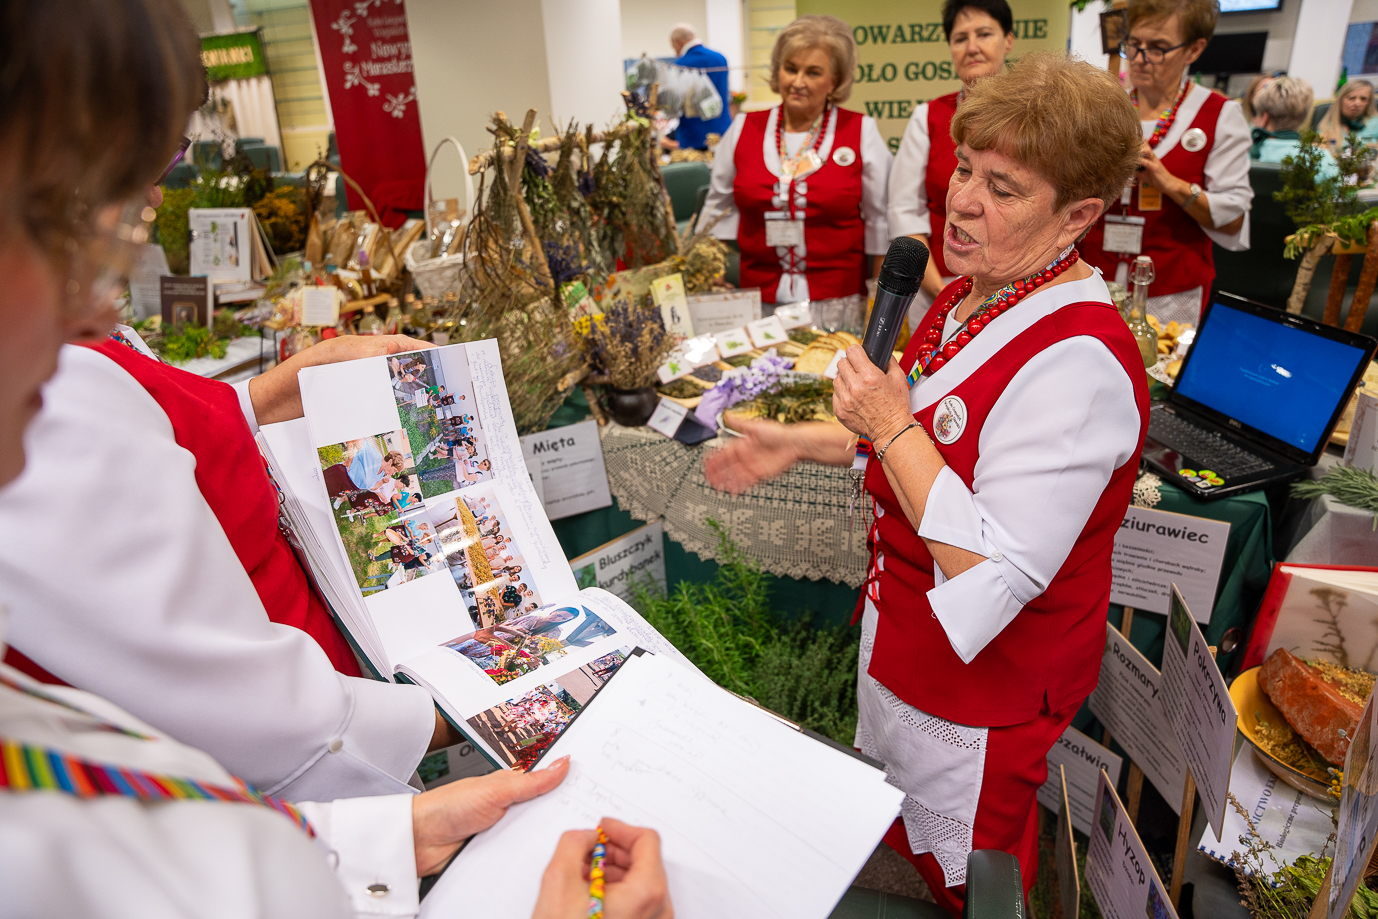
(635, 886)
(765, 450)
(275, 394)
(1154, 173)
(445, 817)
(870, 402)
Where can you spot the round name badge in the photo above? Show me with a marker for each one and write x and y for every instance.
(1194, 139)
(844, 156)
(949, 420)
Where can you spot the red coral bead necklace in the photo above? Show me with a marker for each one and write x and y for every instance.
(935, 352)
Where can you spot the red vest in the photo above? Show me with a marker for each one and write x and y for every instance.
(942, 162)
(1180, 249)
(1053, 647)
(829, 200)
(208, 423)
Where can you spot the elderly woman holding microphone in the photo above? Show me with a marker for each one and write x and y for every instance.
(1005, 450)
(801, 186)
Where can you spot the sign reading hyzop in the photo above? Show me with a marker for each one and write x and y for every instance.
(903, 58)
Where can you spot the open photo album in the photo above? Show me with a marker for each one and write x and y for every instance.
(406, 492)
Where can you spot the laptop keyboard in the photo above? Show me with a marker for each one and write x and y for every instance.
(1207, 448)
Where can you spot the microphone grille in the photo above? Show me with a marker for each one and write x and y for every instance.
(904, 266)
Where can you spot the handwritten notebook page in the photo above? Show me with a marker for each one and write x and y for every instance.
(756, 819)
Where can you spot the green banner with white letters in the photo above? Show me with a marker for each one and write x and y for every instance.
(903, 59)
(235, 56)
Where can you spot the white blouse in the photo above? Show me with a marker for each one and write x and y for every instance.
(908, 211)
(1070, 417)
(119, 857)
(875, 176)
(119, 579)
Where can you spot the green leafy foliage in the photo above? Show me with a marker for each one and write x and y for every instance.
(192, 342)
(1325, 205)
(727, 628)
(1348, 484)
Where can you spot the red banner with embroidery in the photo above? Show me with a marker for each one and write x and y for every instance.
(366, 54)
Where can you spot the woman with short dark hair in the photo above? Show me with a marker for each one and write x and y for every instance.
(980, 36)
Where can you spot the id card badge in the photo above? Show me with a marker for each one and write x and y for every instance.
(782, 231)
(1123, 234)
(1150, 198)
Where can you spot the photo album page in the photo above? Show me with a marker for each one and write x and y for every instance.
(445, 549)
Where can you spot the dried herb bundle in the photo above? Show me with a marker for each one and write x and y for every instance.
(628, 344)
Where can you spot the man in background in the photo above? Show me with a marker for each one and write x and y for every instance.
(692, 133)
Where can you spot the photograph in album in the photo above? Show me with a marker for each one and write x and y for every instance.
(520, 646)
(483, 557)
(521, 729)
(436, 405)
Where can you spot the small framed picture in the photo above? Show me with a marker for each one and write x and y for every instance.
(1114, 28)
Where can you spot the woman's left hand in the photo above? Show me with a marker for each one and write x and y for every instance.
(1154, 173)
(450, 814)
(867, 401)
(275, 394)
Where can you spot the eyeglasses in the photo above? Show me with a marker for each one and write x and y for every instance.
(1130, 50)
(93, 249)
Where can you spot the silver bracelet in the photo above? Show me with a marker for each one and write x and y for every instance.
(880, 454)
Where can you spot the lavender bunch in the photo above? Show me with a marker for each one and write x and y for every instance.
(740, 384)
(628, 344)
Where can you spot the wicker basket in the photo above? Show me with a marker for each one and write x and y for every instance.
(438, 276)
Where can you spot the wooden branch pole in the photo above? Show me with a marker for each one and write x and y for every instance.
(485, 159)
(1334, 298)
(1136, 789)
(1309, 260)
(528, 226)
(1179, 854)
(1364, 292)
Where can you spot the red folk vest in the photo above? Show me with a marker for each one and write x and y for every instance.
(829, 200)
(1180, 249)
(208, 423)
(942, 162)
(1053, 647)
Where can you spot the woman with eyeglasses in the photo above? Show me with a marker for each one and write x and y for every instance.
(1192, 188)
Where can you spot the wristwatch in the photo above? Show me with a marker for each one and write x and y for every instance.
(1196, 191)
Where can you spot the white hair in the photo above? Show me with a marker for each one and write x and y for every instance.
(682, 33)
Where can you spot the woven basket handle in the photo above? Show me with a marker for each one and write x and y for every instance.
(468, 182)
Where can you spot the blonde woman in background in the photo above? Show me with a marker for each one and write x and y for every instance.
(1353, 110)
(802, 185)
(1280, 107)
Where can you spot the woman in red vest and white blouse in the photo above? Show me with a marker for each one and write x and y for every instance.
(1000, 455)
(1193, 188)
(980, 35)
(801, 186)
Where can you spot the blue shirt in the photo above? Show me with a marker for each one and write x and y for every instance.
(692, 133)
(1273, 149)
(367, 467)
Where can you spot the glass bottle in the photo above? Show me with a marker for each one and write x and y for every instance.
(370, 324)
(1141, 275)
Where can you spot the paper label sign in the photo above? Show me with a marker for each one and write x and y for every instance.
(1128, 701)
(767, 332)
(1122, 879)
(794, 315)
(569, 463)
(1289, 820)
(624, 563)
(733, 342)
(1199, 708)
(320, 306)
(1358, 830)
(1362, 450)
(1155, 549)
(667, 417)
(723, 311)
(673, 368)
(830, 371)
(221, 243)
(700, 351)
(668, 294)
(1081, 759)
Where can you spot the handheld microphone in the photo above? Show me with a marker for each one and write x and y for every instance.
(900, 275)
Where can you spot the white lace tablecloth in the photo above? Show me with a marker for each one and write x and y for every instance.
(795, 526)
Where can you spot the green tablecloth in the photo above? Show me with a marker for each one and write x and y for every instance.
(1244, 576)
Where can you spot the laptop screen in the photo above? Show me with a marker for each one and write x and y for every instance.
(1281, 380)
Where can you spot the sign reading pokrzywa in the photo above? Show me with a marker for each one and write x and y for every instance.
(1156, 549)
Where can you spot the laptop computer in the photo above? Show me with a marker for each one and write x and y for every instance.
(1256, 399)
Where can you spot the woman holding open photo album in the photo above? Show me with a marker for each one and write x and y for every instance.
(101, 813)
